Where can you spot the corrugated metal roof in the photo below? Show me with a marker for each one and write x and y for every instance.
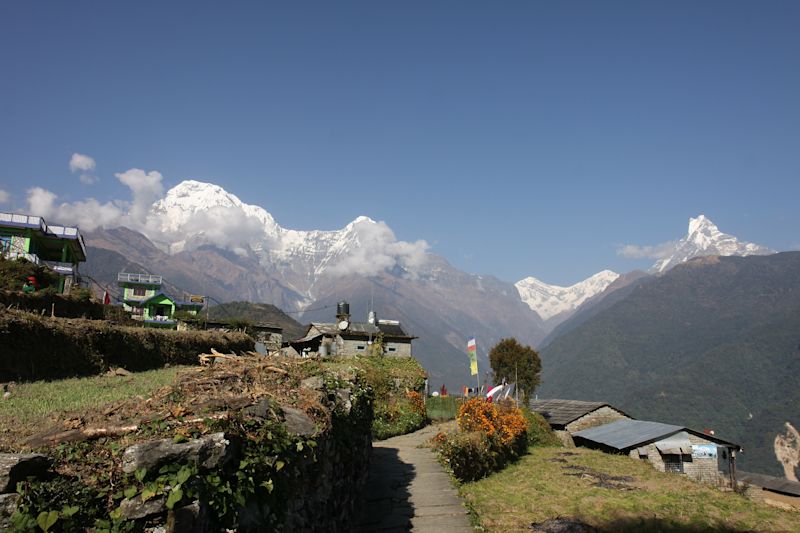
(626, 434)
(775, 484)
(364, 329)
(562, 412)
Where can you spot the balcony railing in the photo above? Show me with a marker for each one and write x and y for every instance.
(150, 279)
(11, 254)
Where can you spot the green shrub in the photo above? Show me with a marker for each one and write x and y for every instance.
(398, 416)
(539, 431)
(469, 456)
(396, 384)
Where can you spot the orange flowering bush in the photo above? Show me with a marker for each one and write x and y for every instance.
(416, 402)
(490, 435)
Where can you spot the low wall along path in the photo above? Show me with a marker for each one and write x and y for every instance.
(408, 490)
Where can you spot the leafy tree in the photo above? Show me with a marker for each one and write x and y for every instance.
(509, 358)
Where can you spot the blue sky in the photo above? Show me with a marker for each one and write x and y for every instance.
(518, 138)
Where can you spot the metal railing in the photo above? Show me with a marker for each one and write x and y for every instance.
(11, 254)
(150, 279)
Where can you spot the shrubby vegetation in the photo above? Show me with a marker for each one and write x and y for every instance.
(398, 385)
(490, 435)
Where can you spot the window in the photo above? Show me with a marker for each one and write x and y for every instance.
(139, 291)
(392, 349)
(673, 463)
(361, 347)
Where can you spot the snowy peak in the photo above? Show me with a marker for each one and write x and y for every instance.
(704, 238)
(551, 300)
(194, 214)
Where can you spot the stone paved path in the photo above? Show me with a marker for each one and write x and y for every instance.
(407, 489)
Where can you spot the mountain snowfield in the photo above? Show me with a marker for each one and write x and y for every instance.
(704, 238)
(193, 214)
(551, 300)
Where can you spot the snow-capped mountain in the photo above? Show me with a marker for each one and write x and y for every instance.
(193, 214)
(551, 300)
(704, 238)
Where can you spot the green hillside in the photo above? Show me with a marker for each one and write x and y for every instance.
(714, 343)
(259, 313)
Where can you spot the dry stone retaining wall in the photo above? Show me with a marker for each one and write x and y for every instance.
(315, 472)
(35, 348)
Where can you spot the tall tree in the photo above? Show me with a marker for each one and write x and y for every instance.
(513, 361)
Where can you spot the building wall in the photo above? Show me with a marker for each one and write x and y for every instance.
(351, 347)
(705, 470)
(398, 349)
(598, 417)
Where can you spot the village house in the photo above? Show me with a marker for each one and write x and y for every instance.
(569, 416)
(668, 448)
(346, 338)
(268, 337)
(776, 491)
(61, 248)
(144, 299)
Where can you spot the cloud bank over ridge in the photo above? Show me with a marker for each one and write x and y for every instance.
(194, 214)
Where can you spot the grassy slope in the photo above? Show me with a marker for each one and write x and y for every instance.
(538, 488)
(259, 313)
(31, 406)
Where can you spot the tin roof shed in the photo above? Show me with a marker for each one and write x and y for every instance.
(624, 435)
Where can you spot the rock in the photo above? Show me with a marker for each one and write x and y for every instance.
(314, 383)
(208, 451)
(135, 508)
(15, 467)
(262, 409)
(192, 517)
(343, 395)
(298, 422)
(8, 504)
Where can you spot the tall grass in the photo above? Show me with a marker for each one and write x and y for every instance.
(443, 407)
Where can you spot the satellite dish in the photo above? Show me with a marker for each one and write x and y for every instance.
(343, 325)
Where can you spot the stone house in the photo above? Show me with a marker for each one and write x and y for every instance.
(61, 248)
(569, 416)
(668, 448)
(268, 337)
(346, 338)
(777, 491)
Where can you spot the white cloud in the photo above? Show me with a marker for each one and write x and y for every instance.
(146, 188)
(81, 162)
(87, 214)
(41, 202)
(90, 214)
(4, 196)
(84, 164)
(658, 251)
(377, 249)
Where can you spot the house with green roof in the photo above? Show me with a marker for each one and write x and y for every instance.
(143, 297)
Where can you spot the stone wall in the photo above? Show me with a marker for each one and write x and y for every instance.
(598, 417)
(309, 480)
(43, 303)
(700, 469)
(35, 348)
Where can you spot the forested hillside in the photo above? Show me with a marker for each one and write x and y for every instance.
(714, 343)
